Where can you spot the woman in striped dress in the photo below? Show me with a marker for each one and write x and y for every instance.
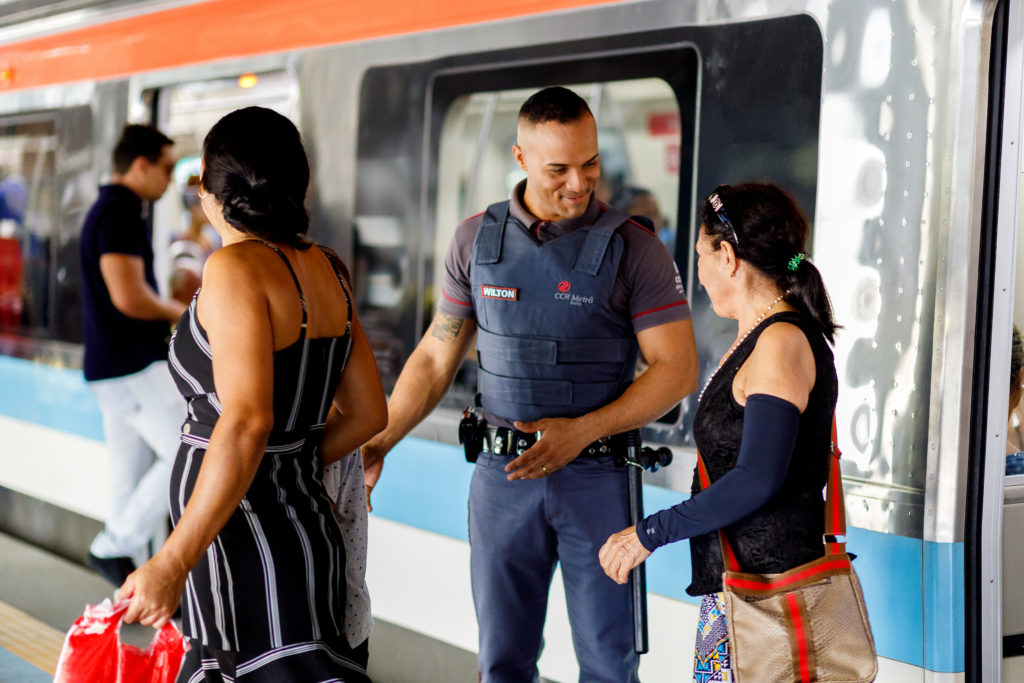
(279, 381)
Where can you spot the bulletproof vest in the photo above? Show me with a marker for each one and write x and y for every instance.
(549, 342)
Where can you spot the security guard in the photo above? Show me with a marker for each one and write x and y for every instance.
(561, 292)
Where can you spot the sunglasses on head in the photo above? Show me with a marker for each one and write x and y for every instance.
(716, 204)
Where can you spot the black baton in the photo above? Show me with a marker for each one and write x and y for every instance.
(638, 576)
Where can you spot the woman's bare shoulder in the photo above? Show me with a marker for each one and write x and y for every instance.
(783, 339)
(238, 274)
(247, 259)
(781, 365)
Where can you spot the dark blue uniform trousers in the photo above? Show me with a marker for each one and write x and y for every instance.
(518, 531)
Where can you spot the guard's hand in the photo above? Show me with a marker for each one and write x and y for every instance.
(155, 590)
(561, 441)
(621, 553)
(373, 465)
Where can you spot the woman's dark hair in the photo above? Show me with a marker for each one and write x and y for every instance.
(256, 167)
(768, 230)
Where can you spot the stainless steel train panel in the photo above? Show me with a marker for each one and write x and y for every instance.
(867, 111)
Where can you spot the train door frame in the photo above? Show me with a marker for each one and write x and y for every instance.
(473, 73)
(678, 66)
(997, 266)
(674, 69)
(397, 120)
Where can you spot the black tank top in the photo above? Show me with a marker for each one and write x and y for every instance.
(787, 531)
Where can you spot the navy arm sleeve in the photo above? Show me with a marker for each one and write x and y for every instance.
(770, 426)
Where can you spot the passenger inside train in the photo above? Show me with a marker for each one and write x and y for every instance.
(639, 201)
(190, 249)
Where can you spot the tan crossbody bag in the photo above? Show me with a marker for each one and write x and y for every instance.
(807, 624)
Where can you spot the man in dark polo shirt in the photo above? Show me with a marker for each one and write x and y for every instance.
(560, 292)
(126, 328)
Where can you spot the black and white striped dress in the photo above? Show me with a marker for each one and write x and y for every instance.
(267, 600)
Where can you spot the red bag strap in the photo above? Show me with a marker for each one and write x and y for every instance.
(835, 507)
(728, 554)
(835, 503)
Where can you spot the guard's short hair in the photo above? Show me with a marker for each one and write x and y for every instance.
(139, 141)
(557, 104)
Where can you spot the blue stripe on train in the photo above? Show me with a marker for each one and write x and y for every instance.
(425, 485)
(49, 396)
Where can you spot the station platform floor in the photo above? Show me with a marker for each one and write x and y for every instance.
(41, 594)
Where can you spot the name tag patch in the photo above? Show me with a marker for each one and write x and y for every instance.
(496, 292)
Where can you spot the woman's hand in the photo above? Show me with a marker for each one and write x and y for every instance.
(155, 591)
(621, 553)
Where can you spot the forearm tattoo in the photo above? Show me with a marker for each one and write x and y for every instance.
(446, 327)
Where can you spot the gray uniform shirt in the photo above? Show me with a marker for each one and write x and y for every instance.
(648, 288)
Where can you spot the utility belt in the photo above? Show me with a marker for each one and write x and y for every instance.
(476, 437)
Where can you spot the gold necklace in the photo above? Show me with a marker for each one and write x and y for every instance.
(740, 341)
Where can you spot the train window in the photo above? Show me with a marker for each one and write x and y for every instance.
(181, 235)
(193, 108)
(638, 132)
(28, 225)
(426, 130)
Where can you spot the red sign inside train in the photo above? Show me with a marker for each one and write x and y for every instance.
(663, 123)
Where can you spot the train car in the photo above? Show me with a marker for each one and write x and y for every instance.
(896, 123)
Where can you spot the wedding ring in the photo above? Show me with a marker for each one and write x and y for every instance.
(544, 469)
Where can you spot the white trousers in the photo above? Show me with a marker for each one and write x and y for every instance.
(142, 417)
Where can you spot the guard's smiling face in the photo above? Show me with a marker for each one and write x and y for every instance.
(562, 167)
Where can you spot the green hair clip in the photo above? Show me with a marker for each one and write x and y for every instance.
(794, 262)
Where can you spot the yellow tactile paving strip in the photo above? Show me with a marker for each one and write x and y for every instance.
(28, 638)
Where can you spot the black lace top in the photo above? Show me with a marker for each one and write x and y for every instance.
(787, 531)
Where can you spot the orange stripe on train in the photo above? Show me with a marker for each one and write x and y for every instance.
(223, 29)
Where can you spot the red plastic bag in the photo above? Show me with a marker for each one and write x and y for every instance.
(93, 651)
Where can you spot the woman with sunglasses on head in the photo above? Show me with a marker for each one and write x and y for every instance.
(763, 421)
(280, 382)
